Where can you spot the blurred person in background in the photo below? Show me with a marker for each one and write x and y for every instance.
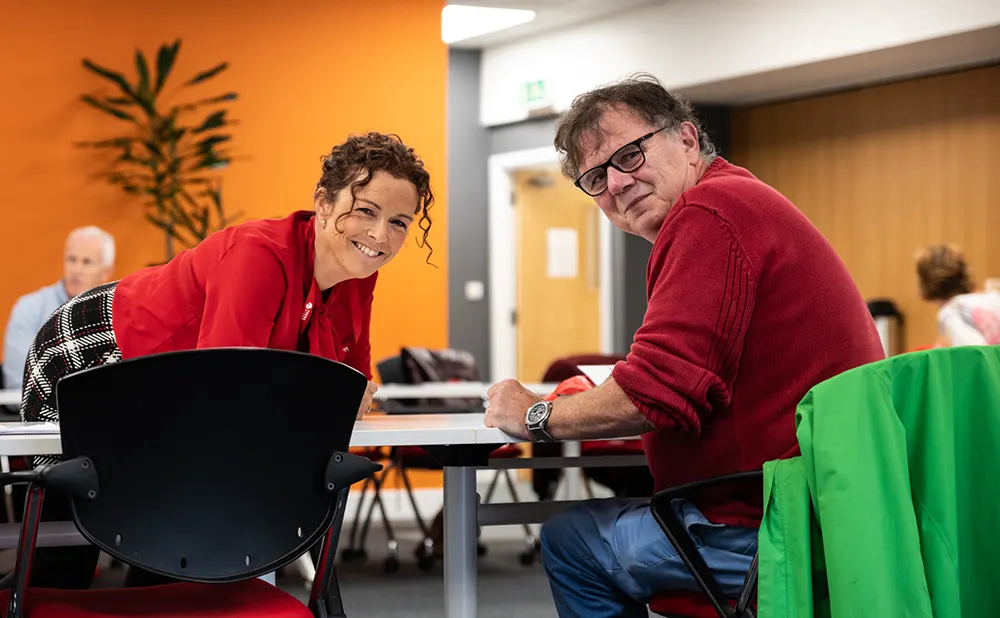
(88, 261)
(965, 317)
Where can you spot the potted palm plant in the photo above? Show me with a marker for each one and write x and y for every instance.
(167, 152)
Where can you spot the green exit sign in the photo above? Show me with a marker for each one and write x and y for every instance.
(534, 92)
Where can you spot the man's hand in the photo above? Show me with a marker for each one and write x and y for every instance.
(366, 401)
(507, 404)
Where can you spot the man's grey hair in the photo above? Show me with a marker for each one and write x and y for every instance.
(643, 95)
(107, 242)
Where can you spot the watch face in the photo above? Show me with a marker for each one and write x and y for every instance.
(536, 413)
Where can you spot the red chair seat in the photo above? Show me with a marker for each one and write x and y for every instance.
(418, 456)
(411, 452)
(247, 599)
(612, 447)
(507, 451)
(684, 604)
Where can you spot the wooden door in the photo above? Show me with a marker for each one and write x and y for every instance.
(558, 272)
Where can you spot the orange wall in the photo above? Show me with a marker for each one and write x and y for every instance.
(308, 74)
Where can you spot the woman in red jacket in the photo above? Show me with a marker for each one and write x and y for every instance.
(303, 283)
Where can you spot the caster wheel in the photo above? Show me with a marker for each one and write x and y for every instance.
(527, 558)
(391, 565)
(425, 563)
(481, 550)
(354, 555)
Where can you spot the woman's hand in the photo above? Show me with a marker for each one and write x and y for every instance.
(366, 401)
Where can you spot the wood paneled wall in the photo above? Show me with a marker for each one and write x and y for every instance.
(886, 170)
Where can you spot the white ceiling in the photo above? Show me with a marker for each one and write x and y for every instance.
(950, 53)
(549, 15)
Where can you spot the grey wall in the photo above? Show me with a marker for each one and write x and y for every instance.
(522, 135)
(468, 149)
(469, 146)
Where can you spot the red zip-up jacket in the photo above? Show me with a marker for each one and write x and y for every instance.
(248, 285)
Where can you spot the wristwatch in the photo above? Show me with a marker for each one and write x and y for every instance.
(537, 419)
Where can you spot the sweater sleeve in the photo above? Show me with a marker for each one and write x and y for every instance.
(243, 295)
(685, 356)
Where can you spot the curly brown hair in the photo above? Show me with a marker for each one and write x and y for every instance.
(943, 272)
(354, 163)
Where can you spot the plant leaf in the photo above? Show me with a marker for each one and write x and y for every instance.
(164, 225)
(180, 208)
(119, 101)
(165, 63)
(213, 121)
(115, 142)
(104, 107)
(222, 98)
(209, 74)
(114, 76)
(207, 144)
(142, 69)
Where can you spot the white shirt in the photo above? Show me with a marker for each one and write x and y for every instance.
(971, 319)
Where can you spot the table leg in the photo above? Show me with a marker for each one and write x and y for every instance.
(573, 476)
(460, 534)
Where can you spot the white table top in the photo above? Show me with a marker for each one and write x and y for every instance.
(430, 390)
(20, 439)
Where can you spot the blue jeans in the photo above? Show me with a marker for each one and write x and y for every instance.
(609, 557)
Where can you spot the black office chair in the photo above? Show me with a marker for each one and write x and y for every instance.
(212, 467)
(711, 601)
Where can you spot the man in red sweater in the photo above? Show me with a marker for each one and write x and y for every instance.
(748, 307)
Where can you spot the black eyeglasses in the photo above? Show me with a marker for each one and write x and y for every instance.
(628, 158)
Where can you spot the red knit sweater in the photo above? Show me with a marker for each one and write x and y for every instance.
(749, 307)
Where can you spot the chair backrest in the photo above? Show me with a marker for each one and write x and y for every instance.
(211, 463)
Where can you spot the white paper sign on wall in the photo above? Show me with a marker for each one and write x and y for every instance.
(562, 253)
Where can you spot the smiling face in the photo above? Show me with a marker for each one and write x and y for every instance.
(638, 201)
(362, 233)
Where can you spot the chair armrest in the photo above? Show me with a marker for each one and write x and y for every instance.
(346, 469)
(76, 477)
(674, 529)
(686, 490)
(342, 471)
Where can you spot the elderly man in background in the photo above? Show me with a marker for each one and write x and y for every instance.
(748, 307)
(88, 261)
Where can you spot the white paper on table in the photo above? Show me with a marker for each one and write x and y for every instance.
(597, 374)
(562, 253)
(29, 428)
